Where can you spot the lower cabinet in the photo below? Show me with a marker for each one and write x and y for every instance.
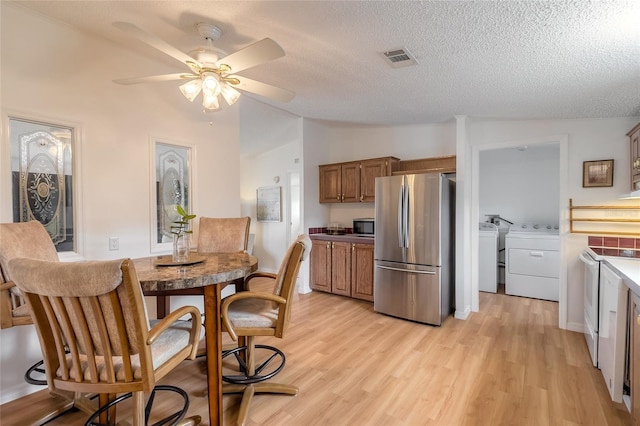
(342, 268)
(635, 358)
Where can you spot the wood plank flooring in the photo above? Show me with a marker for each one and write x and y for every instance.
(506, 365)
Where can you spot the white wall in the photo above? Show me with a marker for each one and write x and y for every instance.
(351, 142)
(271, 148)
(50, 71)
(520, 185)
(588, 139)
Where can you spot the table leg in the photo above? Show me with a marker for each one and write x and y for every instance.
(213, 339)
(163, 304)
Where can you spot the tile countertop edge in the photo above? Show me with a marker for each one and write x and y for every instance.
(629, 268)
(347, 238)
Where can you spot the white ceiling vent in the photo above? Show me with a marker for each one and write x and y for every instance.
(400, 57)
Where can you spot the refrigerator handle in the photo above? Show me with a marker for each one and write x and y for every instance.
(407, 212)
(405, 270)
(401, 216)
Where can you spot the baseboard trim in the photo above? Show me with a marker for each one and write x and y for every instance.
(462, 315)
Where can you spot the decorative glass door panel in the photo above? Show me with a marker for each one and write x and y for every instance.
(42, 174)
(171, 186)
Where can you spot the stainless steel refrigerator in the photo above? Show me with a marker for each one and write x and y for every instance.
(414, 247)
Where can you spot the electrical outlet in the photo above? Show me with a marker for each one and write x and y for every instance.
(626, 253)
(114, 243)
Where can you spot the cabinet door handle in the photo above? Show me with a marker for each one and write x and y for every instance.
(342, 197)
(361, 197)
(338, 197)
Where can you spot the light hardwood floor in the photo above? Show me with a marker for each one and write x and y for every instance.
(509, 364)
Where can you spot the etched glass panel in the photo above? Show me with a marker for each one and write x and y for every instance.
(42, 178)
(172, 187)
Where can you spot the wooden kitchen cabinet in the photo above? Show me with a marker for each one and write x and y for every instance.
(369, 171)
(362, 271)
(342, 268)
(353, 182)
(635, 358)
(634, 139)
(330, 268)
(320, 266)
(340, 183)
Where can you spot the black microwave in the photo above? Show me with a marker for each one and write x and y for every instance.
(364, 226)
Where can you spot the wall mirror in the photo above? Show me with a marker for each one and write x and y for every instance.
(171, 185)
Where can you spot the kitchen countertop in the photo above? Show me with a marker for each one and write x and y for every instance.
(629, 268)
(347, 238)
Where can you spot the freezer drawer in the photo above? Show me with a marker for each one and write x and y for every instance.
(409, 291)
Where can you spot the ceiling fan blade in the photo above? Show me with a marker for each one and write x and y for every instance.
(257, 53)
(155, 78)
(154, 42)
(263, 89)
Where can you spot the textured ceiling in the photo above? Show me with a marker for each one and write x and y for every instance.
(487, 59)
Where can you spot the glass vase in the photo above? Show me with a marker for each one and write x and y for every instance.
(180, 248)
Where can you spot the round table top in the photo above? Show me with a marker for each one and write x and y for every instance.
(217, 268)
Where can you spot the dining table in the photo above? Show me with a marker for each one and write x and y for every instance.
(205, 274)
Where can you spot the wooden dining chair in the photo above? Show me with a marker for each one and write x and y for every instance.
(23, 239)
(250, 314)
(223, 235)
(96, 337)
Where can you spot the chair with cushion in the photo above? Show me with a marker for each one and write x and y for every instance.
(22, 239)
(256, 313)
(95, 335)
(223, 235)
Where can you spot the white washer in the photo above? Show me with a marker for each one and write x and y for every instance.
(533, 261)
(488, 258)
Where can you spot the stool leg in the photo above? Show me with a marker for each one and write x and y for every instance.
(247, 396)
(138, 409)
(109, 416)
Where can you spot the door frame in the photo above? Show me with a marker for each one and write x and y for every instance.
(563, 142)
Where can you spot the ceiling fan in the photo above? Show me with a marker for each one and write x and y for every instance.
(212, 71)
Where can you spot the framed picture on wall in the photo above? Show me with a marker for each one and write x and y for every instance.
(269, 199)
(597, 173)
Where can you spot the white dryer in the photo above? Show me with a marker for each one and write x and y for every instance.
(533, 261)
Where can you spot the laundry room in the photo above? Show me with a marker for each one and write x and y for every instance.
(519, 198)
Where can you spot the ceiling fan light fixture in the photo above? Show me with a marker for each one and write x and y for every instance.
(209, 99)
(230, 94)
(191, 89)
(210, 81)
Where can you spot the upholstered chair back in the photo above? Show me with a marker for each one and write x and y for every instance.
(95, 311)
(223, 235)
(24, 239)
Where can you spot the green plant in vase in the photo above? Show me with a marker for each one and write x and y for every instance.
(181, 230)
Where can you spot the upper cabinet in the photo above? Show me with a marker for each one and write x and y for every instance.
(353, 182)
(634, 136)
(427, 165)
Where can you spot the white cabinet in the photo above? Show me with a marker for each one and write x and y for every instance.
(612, 336)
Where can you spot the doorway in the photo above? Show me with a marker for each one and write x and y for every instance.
(294, 227)
(541, 146)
